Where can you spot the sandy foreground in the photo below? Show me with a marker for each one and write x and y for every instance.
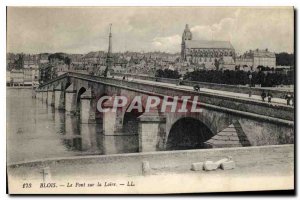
(266, 168)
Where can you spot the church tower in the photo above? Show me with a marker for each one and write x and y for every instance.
(187, 35)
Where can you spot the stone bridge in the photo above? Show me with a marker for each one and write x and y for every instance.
(224, 121)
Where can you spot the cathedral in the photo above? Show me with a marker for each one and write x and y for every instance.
(209, 54)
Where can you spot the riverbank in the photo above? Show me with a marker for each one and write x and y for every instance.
(267, 167)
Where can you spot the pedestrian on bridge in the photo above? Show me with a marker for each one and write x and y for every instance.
(263, 95)
(179, 81)
(196, 88)
(288, 98)
(270, 96)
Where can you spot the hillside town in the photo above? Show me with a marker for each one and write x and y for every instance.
(195, 55)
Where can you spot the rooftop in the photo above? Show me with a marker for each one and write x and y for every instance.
(258, 53)
(207, 44)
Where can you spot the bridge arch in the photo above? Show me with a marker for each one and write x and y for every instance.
(131, 121)
(188, 133)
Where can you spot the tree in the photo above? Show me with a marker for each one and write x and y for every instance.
(67, 60)
(47, 72)
(19, 63)
(285, 59)
(60, 56)
(167, 73)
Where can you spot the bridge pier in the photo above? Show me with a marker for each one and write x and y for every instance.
(112, 120)
(151, 131)
(88, 108)
(70, 99)
(59, 98)
(50, 97)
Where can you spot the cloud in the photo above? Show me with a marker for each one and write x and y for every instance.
(169, 44)
(80, 30)
(251, 29)
(218, 31)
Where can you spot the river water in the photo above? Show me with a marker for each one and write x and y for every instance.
(37, 131)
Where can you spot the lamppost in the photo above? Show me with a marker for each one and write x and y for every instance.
(250, 79)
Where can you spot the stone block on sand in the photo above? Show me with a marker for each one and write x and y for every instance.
(209, 166)
(197, 166)
(146, 170)
(228, 165)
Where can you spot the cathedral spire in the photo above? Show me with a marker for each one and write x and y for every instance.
(109, 58)
(110, 43)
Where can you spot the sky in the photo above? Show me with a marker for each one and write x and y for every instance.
(146, 29)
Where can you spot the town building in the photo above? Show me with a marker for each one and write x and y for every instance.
(252, 59)
(43, 58)
(23, 77)
(209, 54)
(30, 61)
(92, 59)
(76, 59)
(17, 77)
(30, 76)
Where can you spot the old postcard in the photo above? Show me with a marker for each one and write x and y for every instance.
(149, 100)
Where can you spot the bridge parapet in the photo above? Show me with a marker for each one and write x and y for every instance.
(206, 99)
(215, 86)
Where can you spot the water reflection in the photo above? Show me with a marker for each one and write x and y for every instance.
(72, 133)
(59, 122)
(88, 138)
(52, 133)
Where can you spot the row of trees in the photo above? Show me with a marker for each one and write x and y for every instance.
(265, 79)
(47, 72)
(16, 64)
(60, 56)
(167, 73)
(232, 77)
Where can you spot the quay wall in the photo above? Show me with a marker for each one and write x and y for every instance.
(131, 163)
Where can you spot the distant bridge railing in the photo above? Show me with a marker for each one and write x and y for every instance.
(42, 85)
(215, 86)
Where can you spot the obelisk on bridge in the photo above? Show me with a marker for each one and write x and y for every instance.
(109, 58)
